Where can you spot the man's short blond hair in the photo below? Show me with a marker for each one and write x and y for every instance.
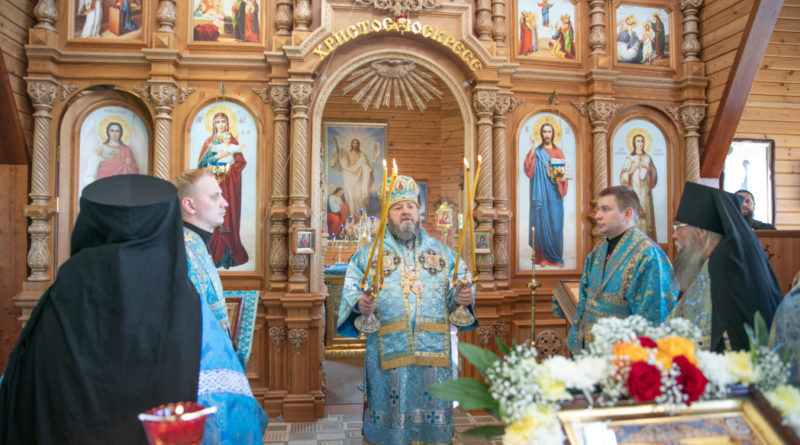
(185, 182)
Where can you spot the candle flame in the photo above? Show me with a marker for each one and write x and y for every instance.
(384, 163)
(479, 159)
(466, 163)
(394, 166)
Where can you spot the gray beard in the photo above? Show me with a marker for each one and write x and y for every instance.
(404, 234)
(688, 262)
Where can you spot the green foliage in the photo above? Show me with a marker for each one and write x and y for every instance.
(502, 345)
(480, 358)
(486, 431)
(470, 393)
(758, 333)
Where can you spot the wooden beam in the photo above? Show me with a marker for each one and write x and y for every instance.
(12, 149)
(743, 72)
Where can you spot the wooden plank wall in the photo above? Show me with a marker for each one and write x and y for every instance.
(721, 27)
(773, 107)
(428, 146)
(16, 17)
(773, 112)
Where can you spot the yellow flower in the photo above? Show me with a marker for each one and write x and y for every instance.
(741, 366)
(633, 351)
(675, 346)
(665, 359)
(786, 399)
(552, 389)
(523, 430)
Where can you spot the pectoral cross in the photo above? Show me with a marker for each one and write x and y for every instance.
(407, 281)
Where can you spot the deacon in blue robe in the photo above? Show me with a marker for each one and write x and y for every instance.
(628, 274)
(222, 381)
(411, 351)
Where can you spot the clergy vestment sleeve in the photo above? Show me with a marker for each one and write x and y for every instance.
(653, 291)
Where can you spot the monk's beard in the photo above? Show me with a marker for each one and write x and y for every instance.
(688, 262)
(403, 233)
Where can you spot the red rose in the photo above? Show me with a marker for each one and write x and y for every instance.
(644, 382)
(647, 342)
(691, 379)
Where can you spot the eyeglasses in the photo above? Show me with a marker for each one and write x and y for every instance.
(677, 226)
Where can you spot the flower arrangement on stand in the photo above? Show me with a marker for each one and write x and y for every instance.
(629, 359)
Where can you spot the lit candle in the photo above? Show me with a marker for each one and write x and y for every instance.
(471, 221)
(385, 217)
(463, 229)
(378, 239)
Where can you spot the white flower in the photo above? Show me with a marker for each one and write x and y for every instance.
(715, 367)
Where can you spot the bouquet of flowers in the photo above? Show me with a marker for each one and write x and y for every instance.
(629, 359)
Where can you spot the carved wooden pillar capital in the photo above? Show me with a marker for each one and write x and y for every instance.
(277, 335)
(597, 38)
(691, 46)
(486, 334)
(166, 16)
(692, 116)
(46, 14)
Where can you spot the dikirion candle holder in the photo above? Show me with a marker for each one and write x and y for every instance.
(368, 324)
(461, 316)
(220, 170)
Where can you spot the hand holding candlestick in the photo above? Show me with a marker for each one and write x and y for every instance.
(461, 316)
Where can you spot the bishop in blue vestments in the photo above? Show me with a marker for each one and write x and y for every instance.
(411, 351)
(625, 275)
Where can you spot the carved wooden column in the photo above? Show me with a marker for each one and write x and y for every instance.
(42, 92)
(278, 213)
(299, 304)
(166, 16)
(283, 17)
(597, 38)
(499, 19)
(300, 97)
(505, 104)
(483, 20)
(162, 96)
(302, 15)
(600, 111)
(46, 14)
(691, 117)
(279, 221)
(483, 101)
(691, 46)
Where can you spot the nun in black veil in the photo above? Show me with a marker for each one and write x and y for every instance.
(117, 333)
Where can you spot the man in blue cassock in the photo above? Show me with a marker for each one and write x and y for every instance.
(222, 382)
(411, 351)
(625, 275)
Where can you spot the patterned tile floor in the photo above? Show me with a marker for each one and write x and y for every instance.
(342, 426)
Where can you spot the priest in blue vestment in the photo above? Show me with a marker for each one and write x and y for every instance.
(411, 351)
(222, 381)
(628, 274)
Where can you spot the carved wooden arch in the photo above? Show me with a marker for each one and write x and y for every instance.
(67, 142)
(572, 117)
(676, 152)
(339, 73)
